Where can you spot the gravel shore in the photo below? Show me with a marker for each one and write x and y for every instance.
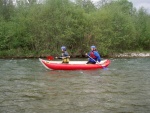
(132, 55)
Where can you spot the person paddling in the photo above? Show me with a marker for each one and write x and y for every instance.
(94, 56)
(64, 56)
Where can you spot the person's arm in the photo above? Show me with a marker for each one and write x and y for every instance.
(97, 56)
(66, 54)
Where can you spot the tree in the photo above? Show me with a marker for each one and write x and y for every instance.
(7, 9)
(142, 21)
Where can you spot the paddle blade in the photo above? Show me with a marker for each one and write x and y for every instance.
(50, 58)
(105, 68)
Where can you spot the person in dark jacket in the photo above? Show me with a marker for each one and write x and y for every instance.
(64, 55)
(94, 56)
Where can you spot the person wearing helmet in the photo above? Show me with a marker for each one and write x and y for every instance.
(64, 56)
(93, 55)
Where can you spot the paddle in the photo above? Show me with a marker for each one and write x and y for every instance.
(96, 61)
(50, 57)
(62, 57)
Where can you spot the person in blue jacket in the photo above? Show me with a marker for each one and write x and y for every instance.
(94, 56)
(64, 55)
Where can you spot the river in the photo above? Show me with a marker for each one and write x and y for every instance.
(26, 86)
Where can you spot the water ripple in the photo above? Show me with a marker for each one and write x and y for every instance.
(27, 87)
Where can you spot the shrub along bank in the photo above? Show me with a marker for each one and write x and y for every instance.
(40, 29)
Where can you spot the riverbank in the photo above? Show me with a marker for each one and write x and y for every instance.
(132, 54)
(114, 55)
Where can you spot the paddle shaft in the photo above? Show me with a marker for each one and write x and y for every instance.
(52, 58)
(92, 59)
(62, 57)
(96, 62)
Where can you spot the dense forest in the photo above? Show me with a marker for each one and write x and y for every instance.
(31, 29)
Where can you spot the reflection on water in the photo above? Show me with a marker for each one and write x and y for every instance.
(27, 87)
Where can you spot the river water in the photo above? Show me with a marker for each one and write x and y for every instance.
(26, 86)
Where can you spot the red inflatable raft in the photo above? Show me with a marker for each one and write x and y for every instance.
(73, 65)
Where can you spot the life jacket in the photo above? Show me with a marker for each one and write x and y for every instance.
(92, 54)
(65, 60)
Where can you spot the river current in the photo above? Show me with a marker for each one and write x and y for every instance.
(26, 86)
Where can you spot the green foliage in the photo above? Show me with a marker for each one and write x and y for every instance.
(142, 22)
(31, 29)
